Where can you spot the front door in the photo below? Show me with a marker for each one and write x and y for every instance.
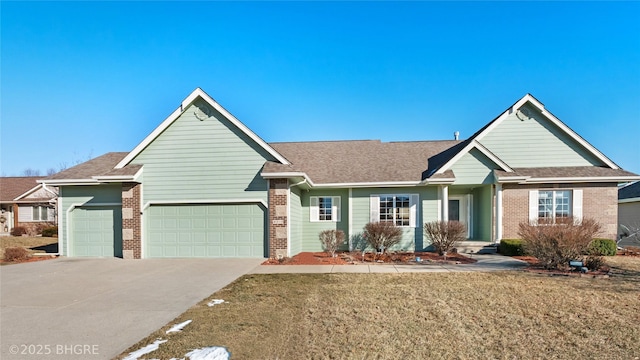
(460, 210)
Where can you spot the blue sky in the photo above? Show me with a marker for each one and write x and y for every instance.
(79, 79)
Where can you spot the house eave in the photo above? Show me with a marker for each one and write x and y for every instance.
(629, 200)
(67, 182)
(596, 179)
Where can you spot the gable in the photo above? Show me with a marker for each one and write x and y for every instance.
(532, 140)
(202, 155)
(474, 168)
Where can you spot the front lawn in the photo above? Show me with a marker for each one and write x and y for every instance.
(508, 315)
(36, 244)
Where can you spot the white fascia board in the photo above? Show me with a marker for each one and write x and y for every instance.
(512, 179)
(600, 179)
(370, 184)
(204, 201)
(198, 93)
(555, 121)
(291, 174)
(118, 178)
(30, 191)
(477, 145)
(446, 181)
(629, 200)
(60, 182)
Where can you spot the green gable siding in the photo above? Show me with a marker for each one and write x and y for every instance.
(473, 168)
(535, 142)
(196, 159)
(311, 230)
(84, 195)
(295, 221)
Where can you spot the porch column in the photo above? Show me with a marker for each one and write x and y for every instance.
(445, 202)
(278, 218)
(498, 213)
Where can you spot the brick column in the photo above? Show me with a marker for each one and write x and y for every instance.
(131, 239)
(278, 221)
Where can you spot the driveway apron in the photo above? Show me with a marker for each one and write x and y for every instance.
(96, 308)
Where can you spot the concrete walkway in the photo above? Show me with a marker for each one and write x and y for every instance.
(486, 262)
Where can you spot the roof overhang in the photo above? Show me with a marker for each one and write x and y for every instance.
(629, 200)
(565, 180)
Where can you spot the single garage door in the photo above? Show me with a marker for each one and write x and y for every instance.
(205, 230)
(96, 231)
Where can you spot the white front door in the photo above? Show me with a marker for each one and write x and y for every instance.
(460, 210)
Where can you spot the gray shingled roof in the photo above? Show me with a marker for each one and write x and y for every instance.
(630, 191)
(566, 171)
(102, 165)
(360, 161)
(14, 186)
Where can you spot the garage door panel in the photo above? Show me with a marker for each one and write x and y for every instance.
(206, 230)
(96, 231)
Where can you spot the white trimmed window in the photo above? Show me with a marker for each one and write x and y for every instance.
(401, 209)
(549, 205)
(34, 213)
(324, 208)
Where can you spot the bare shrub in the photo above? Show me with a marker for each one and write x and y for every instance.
(555, 244)
(445, 235)
(381, 235)
(16, 254)
(18, 231)
(594, 262)
(331, 240)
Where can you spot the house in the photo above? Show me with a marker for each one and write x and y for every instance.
(629, 214)
(202, 184)
(27, 203)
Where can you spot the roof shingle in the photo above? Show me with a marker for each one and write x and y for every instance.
(12, 187)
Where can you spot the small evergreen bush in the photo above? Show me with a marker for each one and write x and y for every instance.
(51, 231)
(511, 247)
(602, 247)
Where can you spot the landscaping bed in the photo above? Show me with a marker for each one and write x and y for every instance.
(38, 248)
(353, 258)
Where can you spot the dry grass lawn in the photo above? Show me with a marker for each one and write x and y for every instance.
(508, 315)
(26, 242)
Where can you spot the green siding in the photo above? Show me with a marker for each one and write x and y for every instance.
(473, 168)
(229, 230)
(482, 213)
(197, 159)
(535, 142)
(295, 221)
(84, 195)
(311, 230)
(412, 239)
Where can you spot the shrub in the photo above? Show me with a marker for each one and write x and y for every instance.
(511, 247)
(331, 240)
(594, 262)
(445, 235)
(50, 231)
(602, 247)
(381, 235)
(18, 231)
(554, 245)
(16, 254)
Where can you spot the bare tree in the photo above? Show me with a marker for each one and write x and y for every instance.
(30, 172)
(51, 171)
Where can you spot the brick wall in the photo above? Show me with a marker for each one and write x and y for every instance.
(131, 222)
(599, 201)
(278, 221)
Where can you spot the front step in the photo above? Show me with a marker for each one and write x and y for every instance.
(477, 247)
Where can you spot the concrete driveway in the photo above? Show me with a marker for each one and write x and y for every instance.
(96, 308)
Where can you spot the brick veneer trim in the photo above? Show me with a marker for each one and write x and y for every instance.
(599, 202)
(278, 220)
(131, 221)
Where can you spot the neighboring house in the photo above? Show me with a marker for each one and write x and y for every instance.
(204, 185)
(629, 212)
(27, 203)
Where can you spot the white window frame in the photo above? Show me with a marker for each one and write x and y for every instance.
(376, 211)
(41, 210)
(314, 209)
(574, 206)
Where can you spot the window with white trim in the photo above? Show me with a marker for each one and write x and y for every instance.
(548, 206)
(324, 208)
(401, 209)
(40, 213)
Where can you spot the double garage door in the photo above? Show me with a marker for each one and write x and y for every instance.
(205, 231)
